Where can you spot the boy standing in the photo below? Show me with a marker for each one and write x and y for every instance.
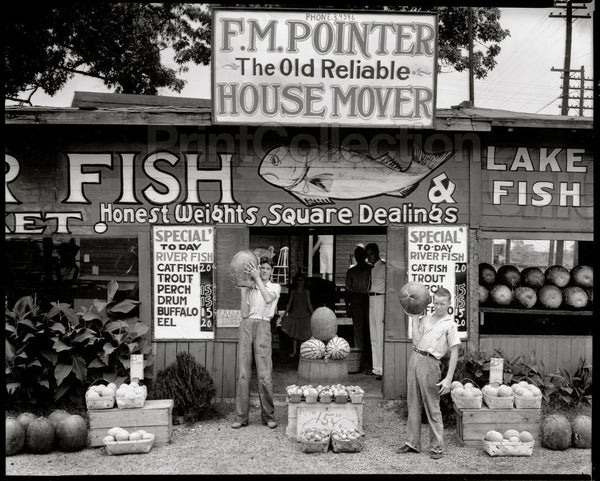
(258, 307)
(433, 336)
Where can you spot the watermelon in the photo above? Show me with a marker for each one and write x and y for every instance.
(312, 349)
(40, 435)
(71, 433)
(556, 432)
(237, 268)
(414, 298)
(25, 419)
(15, 436)
(581, 427)
(323, 324)
(337, 348)
(56, 416)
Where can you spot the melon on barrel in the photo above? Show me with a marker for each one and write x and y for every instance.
(323, 324)
(40, 435)
(15, 436)
(237, 268)
(71, 433)
(337, 348)
(556, 432)
(312, 349)
(414, 298)
(582, 431)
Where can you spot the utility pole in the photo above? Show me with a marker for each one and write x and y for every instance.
(569, 16)
(471, 73)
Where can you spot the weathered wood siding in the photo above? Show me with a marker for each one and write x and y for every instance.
(554, 351)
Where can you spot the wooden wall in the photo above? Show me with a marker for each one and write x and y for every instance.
(555, 351)
(219, 358)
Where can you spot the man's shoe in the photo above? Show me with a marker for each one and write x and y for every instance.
(378, 377)
(271, 424)
(369, 373)
(436, 455)
(238, 425)
(406, 449)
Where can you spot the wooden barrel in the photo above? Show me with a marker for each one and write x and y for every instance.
(354, 360)
(319, 371)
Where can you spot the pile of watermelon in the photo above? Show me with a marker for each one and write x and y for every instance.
(40, 434)
(324, 342)
(559, 433)
(553, 288)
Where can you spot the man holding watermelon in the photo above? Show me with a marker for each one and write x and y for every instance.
(258, 308)
(433, 336)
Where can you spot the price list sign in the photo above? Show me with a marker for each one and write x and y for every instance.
(183, 282)
(437, 257)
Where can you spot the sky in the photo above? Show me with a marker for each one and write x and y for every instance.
(522, 80)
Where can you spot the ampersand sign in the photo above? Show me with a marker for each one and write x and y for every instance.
(441, 189)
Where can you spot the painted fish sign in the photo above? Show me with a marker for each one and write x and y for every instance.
(317, 176)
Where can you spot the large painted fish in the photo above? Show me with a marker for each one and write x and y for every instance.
(316, 176)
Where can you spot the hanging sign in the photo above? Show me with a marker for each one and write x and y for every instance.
(437, 257)
(183, 275)
(288, 67)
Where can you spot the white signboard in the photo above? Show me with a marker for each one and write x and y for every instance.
(183, 287)
(437, 257)
(288, 67)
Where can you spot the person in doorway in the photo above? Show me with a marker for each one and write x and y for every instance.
(324, 245)
(357, 299)
(296, 319)
(258, 308)
(433, 336)
(376, 308)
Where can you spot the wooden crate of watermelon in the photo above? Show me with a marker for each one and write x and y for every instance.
(473, 424)
(154, 417)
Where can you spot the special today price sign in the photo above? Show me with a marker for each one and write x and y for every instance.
(183, 282)
(368, 69)
(437, 257)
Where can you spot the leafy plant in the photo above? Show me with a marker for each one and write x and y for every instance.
(52, 356)
(573, 389)
(472, 366)
(189, 384)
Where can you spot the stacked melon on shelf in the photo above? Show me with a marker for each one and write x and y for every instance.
(324, 342)
(552, 288)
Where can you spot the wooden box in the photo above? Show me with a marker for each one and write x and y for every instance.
(156, 417)
(329, 416)
(473, 424)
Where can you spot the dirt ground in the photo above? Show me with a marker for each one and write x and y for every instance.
(212, 447)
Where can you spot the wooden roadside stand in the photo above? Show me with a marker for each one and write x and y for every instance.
(155, 416)
(473, 424)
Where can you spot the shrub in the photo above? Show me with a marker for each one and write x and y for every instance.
(189, 384)
(53, 355)
(572, 389)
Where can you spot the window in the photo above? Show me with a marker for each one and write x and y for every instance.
(542, 253)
